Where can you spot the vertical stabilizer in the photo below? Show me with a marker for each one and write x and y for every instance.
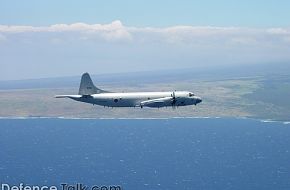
(87, 86)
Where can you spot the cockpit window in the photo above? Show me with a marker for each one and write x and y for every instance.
(190, 94)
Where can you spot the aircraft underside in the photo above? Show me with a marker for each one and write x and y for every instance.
(122, 102)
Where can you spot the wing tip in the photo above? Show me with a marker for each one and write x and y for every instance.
(59, 96)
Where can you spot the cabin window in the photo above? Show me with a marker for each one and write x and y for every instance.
(191, 94)
(116, 100)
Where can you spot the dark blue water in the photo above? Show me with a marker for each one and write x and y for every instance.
(146, 154)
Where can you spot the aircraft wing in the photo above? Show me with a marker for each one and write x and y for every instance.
(68, 96)
(158, 102)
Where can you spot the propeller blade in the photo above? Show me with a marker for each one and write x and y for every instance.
(173, 99)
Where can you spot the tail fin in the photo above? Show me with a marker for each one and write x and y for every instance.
(87, 87)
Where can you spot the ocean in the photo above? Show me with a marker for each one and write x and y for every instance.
(146, 154)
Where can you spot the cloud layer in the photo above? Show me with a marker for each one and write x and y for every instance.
(114, 47)
(175, 34)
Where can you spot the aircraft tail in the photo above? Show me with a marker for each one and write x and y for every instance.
(87, 86)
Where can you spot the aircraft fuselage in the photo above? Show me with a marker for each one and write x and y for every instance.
(140, 99)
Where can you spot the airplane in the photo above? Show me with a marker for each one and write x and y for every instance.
(89, 93)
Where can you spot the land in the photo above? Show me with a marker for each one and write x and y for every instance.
(261, 94)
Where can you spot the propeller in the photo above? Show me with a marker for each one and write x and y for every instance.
(173, 100)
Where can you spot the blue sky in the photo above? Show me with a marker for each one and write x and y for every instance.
(247, 13)
(63, 38)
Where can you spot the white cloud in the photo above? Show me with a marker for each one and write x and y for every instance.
(176, 34)
(279, 31)
(244, 41)
(110, 32)
(115, 47)
(214, 36)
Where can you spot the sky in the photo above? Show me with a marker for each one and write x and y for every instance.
(41, 39)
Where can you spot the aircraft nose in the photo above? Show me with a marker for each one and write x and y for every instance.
(198, 100)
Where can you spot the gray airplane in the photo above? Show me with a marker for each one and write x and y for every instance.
(89, 93)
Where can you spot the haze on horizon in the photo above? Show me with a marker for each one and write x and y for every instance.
(49, 39)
